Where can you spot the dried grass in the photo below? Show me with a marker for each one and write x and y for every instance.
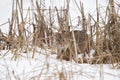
(107, 44)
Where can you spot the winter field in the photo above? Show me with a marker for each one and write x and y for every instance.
(45, 66)
(60, 40)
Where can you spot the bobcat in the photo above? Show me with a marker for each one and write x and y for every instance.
(64, 42)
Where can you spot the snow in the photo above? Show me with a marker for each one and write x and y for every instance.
(45, 66)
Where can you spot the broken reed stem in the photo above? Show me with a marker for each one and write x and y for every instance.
(75, 47)
(97, 29)
(101, 72)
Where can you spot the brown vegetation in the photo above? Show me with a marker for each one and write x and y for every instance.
(105, 31)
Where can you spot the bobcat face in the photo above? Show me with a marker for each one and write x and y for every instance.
(60, 43)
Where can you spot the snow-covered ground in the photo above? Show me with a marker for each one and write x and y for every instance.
(45, 66)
